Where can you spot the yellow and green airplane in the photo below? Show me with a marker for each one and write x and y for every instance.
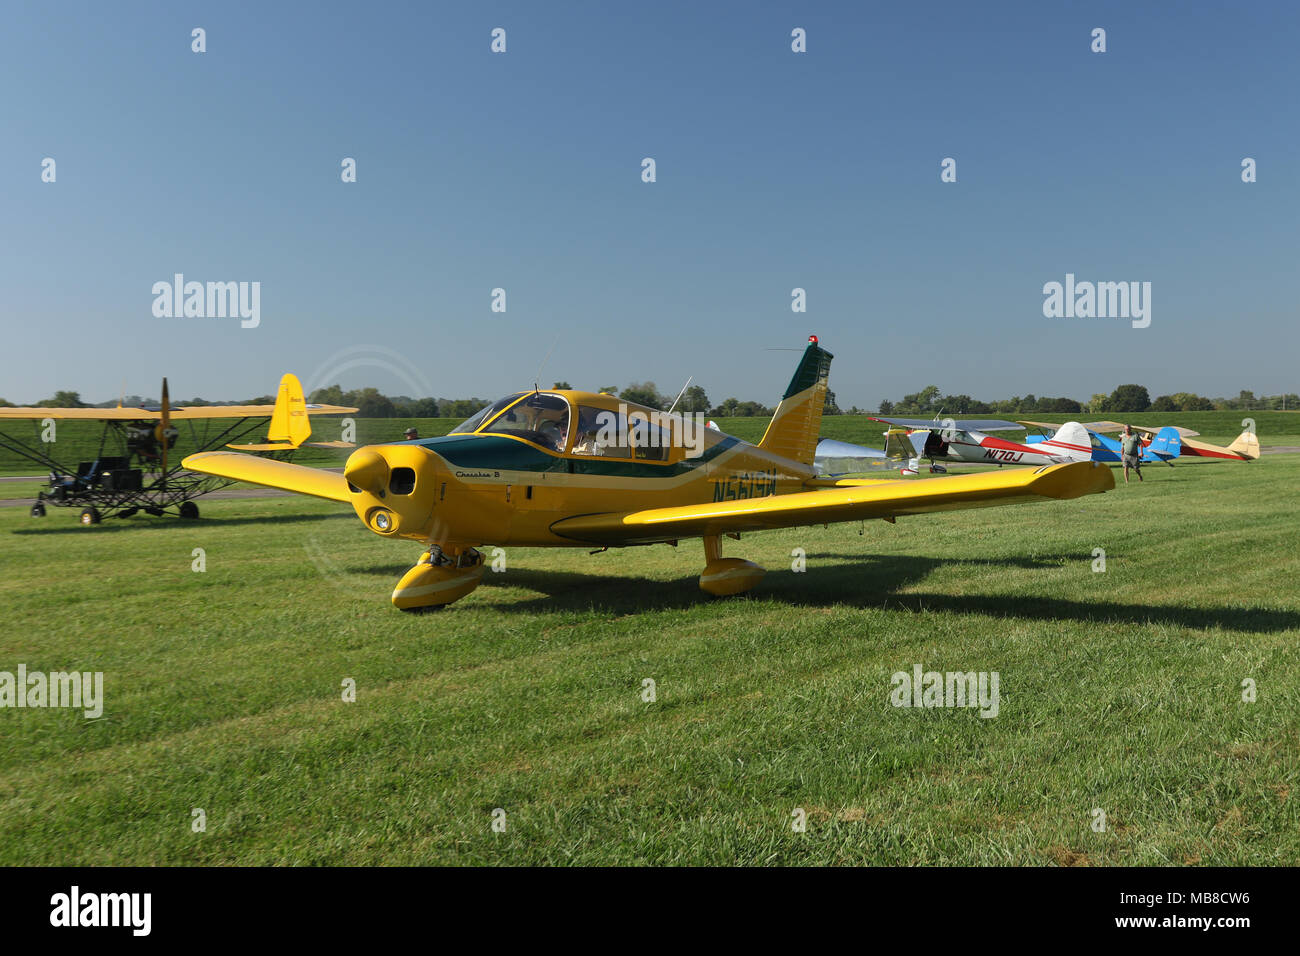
(573, 469)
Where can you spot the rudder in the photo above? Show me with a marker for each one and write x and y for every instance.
(794, 428)
(1246, 445)
(289, 419)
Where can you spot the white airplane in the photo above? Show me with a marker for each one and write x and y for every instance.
(967, 441)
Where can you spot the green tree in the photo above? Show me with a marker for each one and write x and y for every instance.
(330, 395)
(564, 386)
(62, 399)
(643, 393)
(1129, 398)
(371, 403)
(1191, 402)
(922, 401)
(694, 399)
(830, 408)
(1059, 405)
(1164, 403)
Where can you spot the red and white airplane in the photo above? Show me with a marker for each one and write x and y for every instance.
(967, 441)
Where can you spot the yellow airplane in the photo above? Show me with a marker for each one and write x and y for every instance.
(133, 469)
(564, 468)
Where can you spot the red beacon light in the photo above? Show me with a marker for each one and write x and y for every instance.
(812, 340)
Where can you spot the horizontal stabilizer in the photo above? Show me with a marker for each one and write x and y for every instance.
(842, 458)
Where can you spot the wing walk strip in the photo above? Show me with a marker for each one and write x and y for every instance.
(851, 503)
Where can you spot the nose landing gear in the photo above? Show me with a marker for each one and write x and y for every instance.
(439, 578)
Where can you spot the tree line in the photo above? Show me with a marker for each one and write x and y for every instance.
(929, 401)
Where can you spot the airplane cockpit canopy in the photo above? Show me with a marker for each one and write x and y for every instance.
(538, 417)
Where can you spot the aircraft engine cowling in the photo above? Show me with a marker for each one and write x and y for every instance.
(394, 489)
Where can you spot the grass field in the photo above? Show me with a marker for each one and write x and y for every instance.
(1120, 691)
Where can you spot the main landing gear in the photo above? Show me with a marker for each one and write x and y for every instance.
(439, 578)
(724, 576)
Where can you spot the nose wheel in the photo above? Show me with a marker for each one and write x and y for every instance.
(439, 578)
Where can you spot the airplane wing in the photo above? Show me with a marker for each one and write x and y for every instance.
(1102, 428)
(1047, 427)
(251, 411)
(146, 414)
(886, 499)
(961, 424)
(90, 414)
(273, 474)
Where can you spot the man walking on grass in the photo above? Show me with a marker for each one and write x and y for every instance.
(1130, 449)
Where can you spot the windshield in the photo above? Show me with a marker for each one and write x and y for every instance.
(543, 419)
(472, 423)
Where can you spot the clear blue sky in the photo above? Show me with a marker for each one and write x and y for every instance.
(775, 170)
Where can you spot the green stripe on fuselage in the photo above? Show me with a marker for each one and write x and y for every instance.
(481, 452)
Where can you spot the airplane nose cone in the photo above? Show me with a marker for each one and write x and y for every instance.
(367, 469)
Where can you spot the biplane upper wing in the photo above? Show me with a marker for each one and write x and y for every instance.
(250, 411)
(148, 414)
(961, 424)
(88, 414)
(316, 482)
(855, 502)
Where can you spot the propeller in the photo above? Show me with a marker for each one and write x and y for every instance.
(164, 423)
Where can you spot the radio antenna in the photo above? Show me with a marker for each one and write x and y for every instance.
(538, 377)
(680, 394)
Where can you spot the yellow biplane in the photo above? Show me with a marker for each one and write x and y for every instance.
(132, 469)
(563, 468)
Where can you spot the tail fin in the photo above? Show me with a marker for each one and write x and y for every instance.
(1071, 441)
(793, 430)
(289, 419)
(1166, 444)
(1246, 445)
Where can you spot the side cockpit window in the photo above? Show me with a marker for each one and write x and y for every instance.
(640, 434)
(541, 419)
(602, 433)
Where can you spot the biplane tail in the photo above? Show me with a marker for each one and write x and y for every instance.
(289, 421)
(794, 429)
(290, 426)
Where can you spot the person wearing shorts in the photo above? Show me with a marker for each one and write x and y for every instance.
(1130, 450)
